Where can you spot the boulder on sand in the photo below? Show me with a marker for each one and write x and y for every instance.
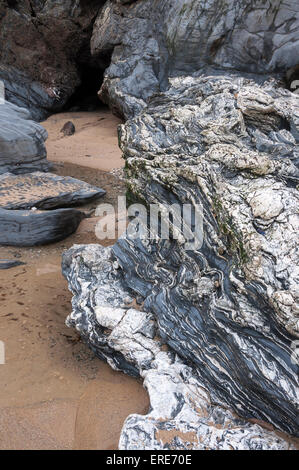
(30, 228)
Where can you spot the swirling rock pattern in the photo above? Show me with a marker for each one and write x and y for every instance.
(181, 415)
(22, 147)
(230, 307)
(156, 39)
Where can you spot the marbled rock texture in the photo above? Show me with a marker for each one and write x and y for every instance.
(156, 39)
(230, 306)
(42, 43)
(182, 414)
(32, 228)
(22, 147)
(44, 191)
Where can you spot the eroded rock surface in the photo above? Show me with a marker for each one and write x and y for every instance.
(32, 228)
(42, 44)
(156, 39)
(22, 147)
(229, 306)
(182, 414)
(44, 191)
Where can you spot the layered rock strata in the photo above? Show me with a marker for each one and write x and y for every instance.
(182, 413)
(153, 40)
(32, 228)
(22, 147)
(44, 191)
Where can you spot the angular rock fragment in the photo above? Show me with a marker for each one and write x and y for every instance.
(10, 263)
(181, 415)
(22, 147)
(31, 228)
(44, 191)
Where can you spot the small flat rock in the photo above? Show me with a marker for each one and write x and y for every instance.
(44, 191)
(10, 263)
(31, 228)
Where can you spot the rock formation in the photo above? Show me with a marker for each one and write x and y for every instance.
(22, 147)
(182, 413)
(43, 44)
(44, 191)
(32, 228)
(228, 307)
(209, 124)
(157, 39)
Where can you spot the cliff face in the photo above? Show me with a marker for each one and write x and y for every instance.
(157, 39)
(41, 45)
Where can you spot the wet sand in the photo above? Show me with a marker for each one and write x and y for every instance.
(55, 394)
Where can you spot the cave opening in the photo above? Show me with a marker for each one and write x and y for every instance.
(85, 97)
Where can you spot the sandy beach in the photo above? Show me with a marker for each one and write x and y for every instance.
(55, 393)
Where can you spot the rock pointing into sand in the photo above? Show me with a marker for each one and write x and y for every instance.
(44, 191)
(228, 306)
(22, 147)
(182, 415)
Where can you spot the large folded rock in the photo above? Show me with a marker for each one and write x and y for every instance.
(156, 39)
(228, 305)
(31, 228)
(44, 191)
(10, 263)
(22, 147)
(182, 414)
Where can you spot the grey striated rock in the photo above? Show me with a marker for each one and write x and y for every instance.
(230, 306)
(22, 147)
(31, 228)
(43, 45)
(44, 191)
(182, 415)
(153, 40)
(10, 263)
